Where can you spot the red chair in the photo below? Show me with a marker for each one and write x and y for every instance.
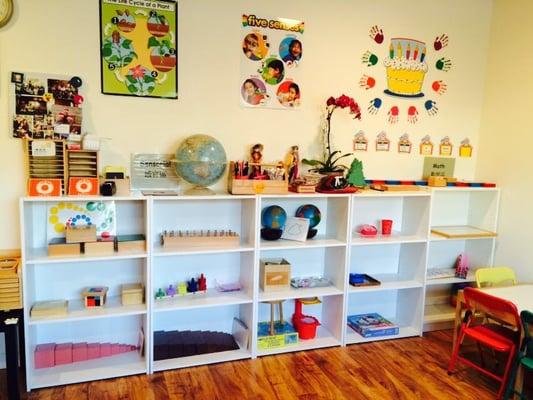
(497, 337)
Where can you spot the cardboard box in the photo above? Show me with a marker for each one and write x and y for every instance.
(80, 234)
(275, 274)
(285, 335)
(132, 294)
(59, 247)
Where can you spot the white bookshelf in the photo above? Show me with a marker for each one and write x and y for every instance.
(399, 261)
(476, 207)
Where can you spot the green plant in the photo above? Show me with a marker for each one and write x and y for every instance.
(331, 159)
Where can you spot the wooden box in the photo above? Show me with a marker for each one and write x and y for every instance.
(79, 234)
(102, 247)
(60, 247)
(132, 294)
(94, 296)
(275, 274)
(256, 186)
(10, 284)
(47, 166)
(131, 243)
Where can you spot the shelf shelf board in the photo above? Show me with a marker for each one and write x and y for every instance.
(78, 312)
(201, 359)
(438, 238)
(160, 251)
(293, 293)
(318, 241)
(353, 337)
(212, 298)
(130, 363)
(388, 282)
(423, 192)
(215, 197)
(435, 313)
(323, 338)
(395, 238)
(464, 189)
(40, 256)
(470, 277)
(291, 195)
(133, 197)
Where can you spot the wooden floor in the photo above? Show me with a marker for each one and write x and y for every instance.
(396, 369)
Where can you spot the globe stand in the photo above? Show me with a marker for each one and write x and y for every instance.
(198, 190)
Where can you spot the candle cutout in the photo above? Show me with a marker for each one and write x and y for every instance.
(404, 144)
(400, 50)
(408, 51)
(465, 150)
(426, 147)
(391, 51)
(360, 142)
(423, 55)
(446, 147)
(415, 55)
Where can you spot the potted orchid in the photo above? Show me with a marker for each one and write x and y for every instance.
(331, 158)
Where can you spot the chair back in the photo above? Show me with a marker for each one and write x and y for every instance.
(527, 323)
(492, 306)
(495, 276)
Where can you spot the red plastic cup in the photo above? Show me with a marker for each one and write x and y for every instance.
(386, 226)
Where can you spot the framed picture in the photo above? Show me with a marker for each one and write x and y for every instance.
(139, 48)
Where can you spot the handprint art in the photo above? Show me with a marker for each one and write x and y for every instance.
(440, 42)
(393, 114)
(367, 82)
(412, 115)
(431, 107)
(439, 86)
(443, 64)
(376, 33)
(374, 106)
(369, 59)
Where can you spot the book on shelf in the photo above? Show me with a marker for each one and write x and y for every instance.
(372, 325)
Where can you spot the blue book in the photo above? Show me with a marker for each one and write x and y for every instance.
(372, 325)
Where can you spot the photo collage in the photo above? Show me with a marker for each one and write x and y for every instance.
(45, 107)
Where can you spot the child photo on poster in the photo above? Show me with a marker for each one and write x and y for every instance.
(272, 53)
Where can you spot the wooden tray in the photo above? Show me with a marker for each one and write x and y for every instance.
(465, 231)
(367, 281)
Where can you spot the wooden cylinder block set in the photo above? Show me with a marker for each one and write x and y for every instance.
(200, 238)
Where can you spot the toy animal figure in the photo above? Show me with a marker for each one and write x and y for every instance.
(171, 291)
(192, 286)
(202, 283)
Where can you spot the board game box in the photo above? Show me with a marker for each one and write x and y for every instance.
(372, 325)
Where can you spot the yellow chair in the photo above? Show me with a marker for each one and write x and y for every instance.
(496, 276)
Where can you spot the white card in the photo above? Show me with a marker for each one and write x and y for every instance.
(296, 229)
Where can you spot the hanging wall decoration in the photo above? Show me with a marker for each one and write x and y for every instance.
(404, 144)
(465, 150)
(138, 44)
(426, 146)
(406, 67)
(382, 142)
(271, 62)
(45, 106)
(446, 147)
(360, 142)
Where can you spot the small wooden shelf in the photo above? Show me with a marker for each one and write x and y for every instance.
(323, 338)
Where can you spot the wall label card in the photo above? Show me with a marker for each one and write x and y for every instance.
(153, 172)
(438, 166)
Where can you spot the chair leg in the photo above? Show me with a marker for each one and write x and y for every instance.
(455, 353)
(509, 392)
(480, 350)
(505, 377)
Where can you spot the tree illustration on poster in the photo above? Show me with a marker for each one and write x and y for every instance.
(138, 45)
(271, 62)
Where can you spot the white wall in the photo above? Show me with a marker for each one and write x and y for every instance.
(506, 138)
(61, 36)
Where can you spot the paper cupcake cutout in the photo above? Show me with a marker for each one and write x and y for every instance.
(426, 146)
(360, 142)
(465, 150)
(404, 144)
(382, 142)
(446, 147)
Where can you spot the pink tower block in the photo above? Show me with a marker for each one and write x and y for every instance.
(93, 351)
(105, 349)
(124, 348)
(79, 352)
(115, 348)
(63, 353)
(44, 355)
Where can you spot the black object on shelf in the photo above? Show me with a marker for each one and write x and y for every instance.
(363, 280)
(271, 233)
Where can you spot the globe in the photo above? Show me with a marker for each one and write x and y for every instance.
(311, 212)
(273, 217)
(201, 161)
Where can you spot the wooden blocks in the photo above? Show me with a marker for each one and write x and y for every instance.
(10, 284)
(131, 243)
(275, 274)
(437, 181)
(54, 308)
(132, 294)
(94, 296)
(79, 234)
(208, 238)
(60, 247)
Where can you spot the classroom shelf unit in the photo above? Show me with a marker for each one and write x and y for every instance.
(400, 261)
